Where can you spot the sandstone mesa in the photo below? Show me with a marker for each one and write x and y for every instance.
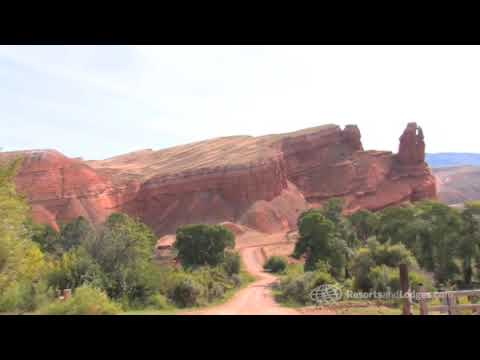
(262, 183)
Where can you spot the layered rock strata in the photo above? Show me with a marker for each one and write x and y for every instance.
(261, 182)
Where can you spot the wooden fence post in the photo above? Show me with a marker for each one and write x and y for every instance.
(451, 302)
(423, 301)
(405, 287)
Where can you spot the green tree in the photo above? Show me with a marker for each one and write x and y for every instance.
(394, 225)
(77, 232)
(124, 251)
(75, 268)
(469, 245)
(276, 264)
(232, 262)
(375, 255)
(21, 260)
(203, 244)
(439, 239)
(46, 237)
(333, 210)
(365, 224)
(318, 241)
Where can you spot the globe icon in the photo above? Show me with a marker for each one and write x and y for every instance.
(326, 294)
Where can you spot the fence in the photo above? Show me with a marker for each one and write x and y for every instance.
(449, 298)
(450, 304)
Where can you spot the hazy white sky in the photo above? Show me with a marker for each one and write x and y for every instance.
(100, 101)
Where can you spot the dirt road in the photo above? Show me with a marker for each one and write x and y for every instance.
(255, 299)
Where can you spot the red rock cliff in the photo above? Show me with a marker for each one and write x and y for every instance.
(262, 182)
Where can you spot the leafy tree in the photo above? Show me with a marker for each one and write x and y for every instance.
(203, 244)
(21, 260)
(47, 238)
(276, 264)
(375, 255)
(232, 262)
(75, 268)
(305, 213)
(333, 209)
(124, 251)
(394, 225)
(469, 245)
(439, 239)
(365, 224)
(75, 233)
(319, 241)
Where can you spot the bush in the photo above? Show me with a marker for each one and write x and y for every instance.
(232, 263)
(296, 289)
(187, 293)
(276, 264)
(75, 268)
(376, 265)
(25, 297)
(418, 279)
(85, 301)
(159, 302)
(237, 280)
(383, 278)
(216, 291)
(77, 232)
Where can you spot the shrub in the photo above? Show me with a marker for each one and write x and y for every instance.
(77, 232)
(232, 263)
(25, 297)
(375, 266)
(296, 289)
(75, 268)
(276, 264)
(237, 280)
(85, 301)
(322, 278)
(9, 298)
(216, 291)
(187, 293)
(383, 278)
(159, 302)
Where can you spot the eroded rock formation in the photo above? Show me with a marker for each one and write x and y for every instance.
(261, 182)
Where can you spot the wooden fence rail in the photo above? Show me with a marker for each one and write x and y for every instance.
(449, 298)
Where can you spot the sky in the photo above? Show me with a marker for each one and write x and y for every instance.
(100, 101)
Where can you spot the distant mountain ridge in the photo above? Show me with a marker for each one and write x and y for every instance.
(457, 184)
(449, 159)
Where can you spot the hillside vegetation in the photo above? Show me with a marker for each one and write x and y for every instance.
(109, 269)
(362, 252)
